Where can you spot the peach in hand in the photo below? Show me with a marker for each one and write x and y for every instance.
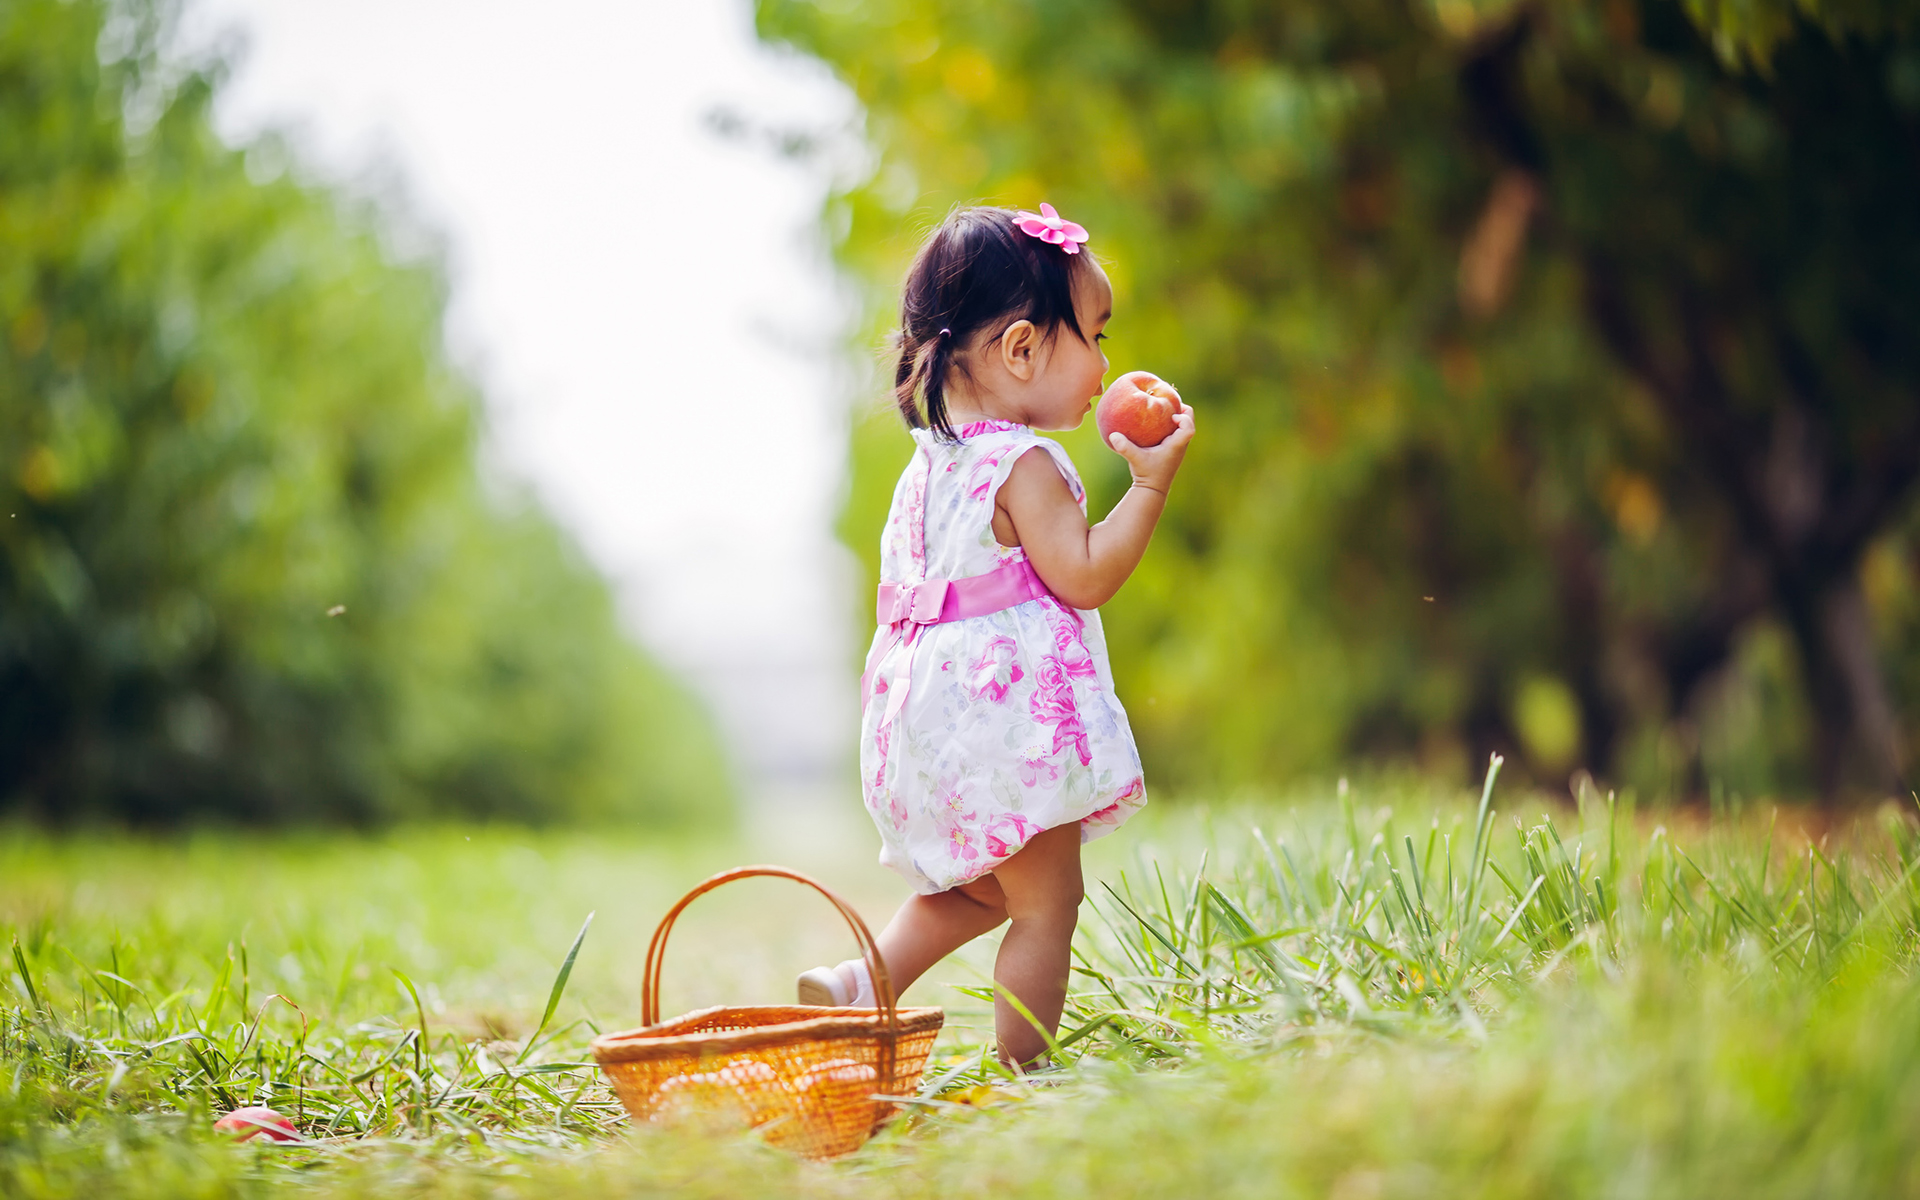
(1140, 405)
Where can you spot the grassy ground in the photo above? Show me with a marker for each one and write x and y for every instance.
(1377, 994)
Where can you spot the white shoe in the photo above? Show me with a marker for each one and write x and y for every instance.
(845, 986)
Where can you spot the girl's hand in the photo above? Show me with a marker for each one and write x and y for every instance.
(1154, 466)
(1085, 567)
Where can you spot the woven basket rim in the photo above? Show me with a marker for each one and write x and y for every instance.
(660, 1041)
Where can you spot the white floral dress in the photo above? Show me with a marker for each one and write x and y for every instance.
(1010, 723)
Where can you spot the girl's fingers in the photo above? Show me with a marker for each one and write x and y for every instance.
(1121, 444)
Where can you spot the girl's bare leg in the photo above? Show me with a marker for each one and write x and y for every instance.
(928, 928)
(1042, 889)
(1039, 889)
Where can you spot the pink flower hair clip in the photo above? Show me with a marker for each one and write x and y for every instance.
(1052, 228)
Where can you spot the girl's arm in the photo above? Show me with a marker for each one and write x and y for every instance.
(1085, 567)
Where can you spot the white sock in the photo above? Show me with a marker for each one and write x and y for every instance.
(859, 984)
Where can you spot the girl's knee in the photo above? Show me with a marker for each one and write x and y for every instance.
(1069, 888)
(1070, 902)
(1059, 905)
(1069, 895)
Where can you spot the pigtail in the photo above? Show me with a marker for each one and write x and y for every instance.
(936, 385)
(908, 376)
(921, 376)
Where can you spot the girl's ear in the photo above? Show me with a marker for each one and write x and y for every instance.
(1018, 347)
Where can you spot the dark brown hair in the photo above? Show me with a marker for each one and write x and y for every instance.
(976, 271)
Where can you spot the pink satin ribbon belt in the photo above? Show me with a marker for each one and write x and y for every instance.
(906, 609)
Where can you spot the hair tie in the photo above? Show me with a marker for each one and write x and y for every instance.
(944, 333)
(1051, 228)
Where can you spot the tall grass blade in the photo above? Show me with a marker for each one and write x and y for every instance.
(26, 975)
(559, 989)
(1482, 846)
(420, 1011)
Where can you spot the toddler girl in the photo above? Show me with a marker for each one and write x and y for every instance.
(991, 742)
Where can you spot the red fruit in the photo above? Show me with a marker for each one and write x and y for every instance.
(1140, 405)
(249, 1123)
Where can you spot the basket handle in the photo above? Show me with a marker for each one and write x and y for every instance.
(869, 949)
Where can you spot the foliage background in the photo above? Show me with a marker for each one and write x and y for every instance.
(227, 410)
(1554, 362)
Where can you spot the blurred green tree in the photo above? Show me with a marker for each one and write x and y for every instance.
(248, 569)
(1558, 363)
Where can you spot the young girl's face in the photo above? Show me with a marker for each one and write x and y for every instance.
(1072, 369)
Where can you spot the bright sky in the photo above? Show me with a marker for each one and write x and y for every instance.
(645, 302)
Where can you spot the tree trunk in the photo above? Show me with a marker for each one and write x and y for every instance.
(1857, 740)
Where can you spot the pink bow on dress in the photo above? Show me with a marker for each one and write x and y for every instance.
(1052, 228)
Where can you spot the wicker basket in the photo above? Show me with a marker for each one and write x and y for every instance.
(813, 1080)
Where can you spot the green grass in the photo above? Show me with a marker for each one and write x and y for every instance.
(1369, 994)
